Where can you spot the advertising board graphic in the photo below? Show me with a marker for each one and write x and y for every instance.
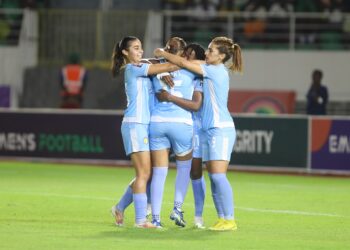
(270, 141)
(262, 141)
(330, 144)
(262, 102)
(61, 135)
(5, 94)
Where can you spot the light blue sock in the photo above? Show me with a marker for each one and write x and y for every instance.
(140, 204)
(216, 198)
(224, 190)
(182, 181)
(198, 187)
(126, 199)
(157, 189)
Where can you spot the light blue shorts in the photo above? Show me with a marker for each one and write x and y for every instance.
(165, 135)
(135, 137)
(197, 141)
(218, 144)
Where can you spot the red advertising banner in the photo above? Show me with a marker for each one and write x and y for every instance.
(265, 102)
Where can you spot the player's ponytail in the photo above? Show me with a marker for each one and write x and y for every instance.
(232, 50)
(237, 62)
(118, 59)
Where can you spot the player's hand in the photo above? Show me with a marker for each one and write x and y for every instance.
(163, 96)
(168, 80)
(158, 52)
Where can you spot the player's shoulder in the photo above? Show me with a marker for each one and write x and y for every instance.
(218, 69)
(133, 66)
(138, 65)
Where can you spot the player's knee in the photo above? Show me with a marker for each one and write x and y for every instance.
(196, 174)
(144, 175)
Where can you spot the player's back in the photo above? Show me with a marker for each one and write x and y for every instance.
(168, 111)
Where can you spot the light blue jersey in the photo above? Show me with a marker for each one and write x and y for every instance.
(197, 124)
(215, 113)
(168, 111)
(197, 116)
(171, 125)
(139, 93)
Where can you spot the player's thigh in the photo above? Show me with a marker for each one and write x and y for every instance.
(160, 158)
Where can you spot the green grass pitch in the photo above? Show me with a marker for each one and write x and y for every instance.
(58, 206)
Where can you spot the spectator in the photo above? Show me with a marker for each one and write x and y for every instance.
(255, 27)
(73, 81)
(204, 9)
(317, 96)
(255, 5)
(280, 8)
(334, 8)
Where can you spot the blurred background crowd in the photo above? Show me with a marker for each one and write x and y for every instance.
(283, 43)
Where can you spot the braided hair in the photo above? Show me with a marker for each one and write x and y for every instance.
(198, 50)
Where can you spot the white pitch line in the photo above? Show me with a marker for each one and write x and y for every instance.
(293, 212)
(249, 209)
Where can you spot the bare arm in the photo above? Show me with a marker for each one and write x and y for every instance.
(193, 66)
(167, 79)
(161, 68)
(192, 105)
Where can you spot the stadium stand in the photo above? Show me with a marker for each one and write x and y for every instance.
(81, 26)
(267, 24)
(10, 23)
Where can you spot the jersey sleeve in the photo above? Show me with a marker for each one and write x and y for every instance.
(198, 85)
(207, 70)
(140, 69)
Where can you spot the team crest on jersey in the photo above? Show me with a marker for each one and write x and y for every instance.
(145, 140)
